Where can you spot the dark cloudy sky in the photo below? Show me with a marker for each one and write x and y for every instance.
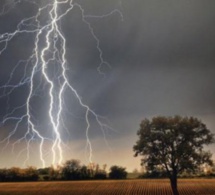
(162, 57)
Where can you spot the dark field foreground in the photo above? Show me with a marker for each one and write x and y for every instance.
(147, 187)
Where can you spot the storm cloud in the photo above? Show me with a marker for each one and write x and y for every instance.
(162, 63)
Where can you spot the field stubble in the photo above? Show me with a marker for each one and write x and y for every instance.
(110, 187)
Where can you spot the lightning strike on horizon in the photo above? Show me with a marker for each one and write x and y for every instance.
(53, 50)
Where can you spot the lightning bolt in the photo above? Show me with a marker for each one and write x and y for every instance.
(49, 48)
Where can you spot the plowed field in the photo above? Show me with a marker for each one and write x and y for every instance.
(110, 187)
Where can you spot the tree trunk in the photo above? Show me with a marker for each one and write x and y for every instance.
(174, 185)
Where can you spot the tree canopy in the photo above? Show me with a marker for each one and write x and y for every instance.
(174, 144)
(117, 172)
(73, 170)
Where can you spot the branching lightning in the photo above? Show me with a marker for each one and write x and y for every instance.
(49, 48)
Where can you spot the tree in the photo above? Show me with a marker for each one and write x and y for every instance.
(54, 173)
(71, 170)
(175, 143)
(3, 174)
(84, 172)
(117, 172)
(100, 173)
(31, 174)
(96, 172)
(14, 174)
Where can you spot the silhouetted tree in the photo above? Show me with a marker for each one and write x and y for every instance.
(43, 171)
(3, 174)
(30, 174)
(14, 174)
(54, 173)
(100, 175)
(71, 170)
(84, 173)
(18, 174)
(175, 143)
(117, 172)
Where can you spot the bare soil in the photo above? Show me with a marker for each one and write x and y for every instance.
(110, 187)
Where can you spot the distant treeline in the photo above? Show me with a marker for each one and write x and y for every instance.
(202, 171)
(71, 170)
(18, 174)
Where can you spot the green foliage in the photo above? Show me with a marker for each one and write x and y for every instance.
(174, 143)
(117, 172)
